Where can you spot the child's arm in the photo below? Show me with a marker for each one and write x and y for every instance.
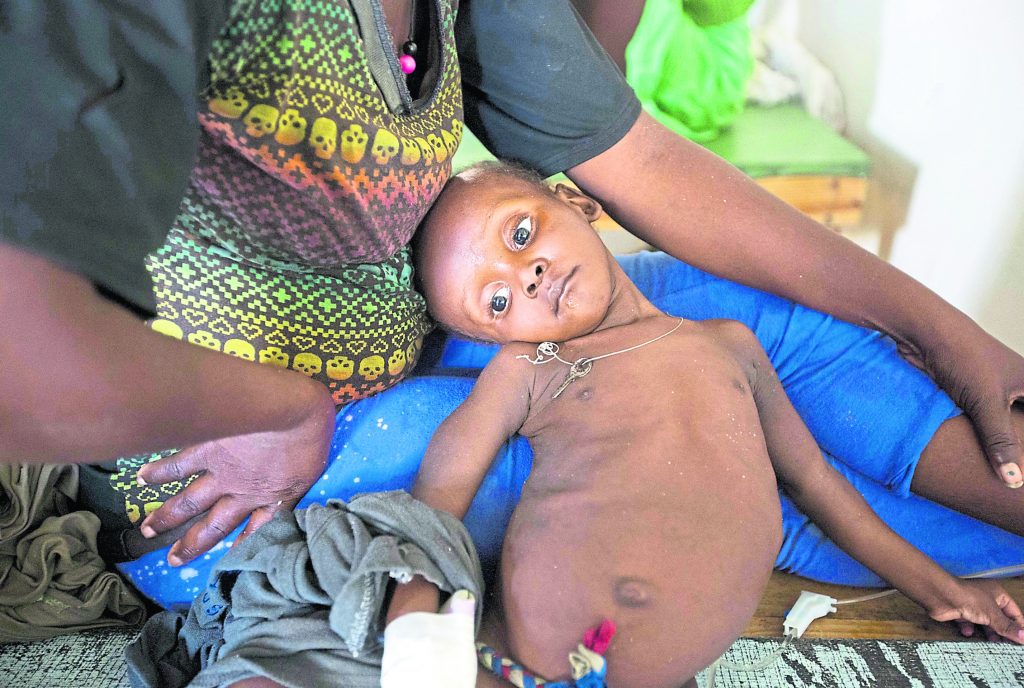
(841, 512)
(462, 448)
(460, 453)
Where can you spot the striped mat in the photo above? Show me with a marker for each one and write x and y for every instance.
(94, 660)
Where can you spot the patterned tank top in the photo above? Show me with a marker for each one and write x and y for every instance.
(313, 153)
(313, 172)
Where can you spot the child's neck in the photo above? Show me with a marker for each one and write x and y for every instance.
(627, 305)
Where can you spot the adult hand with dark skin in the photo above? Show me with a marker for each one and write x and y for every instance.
(692, 204)
(84, 380)
(985, 378)
(249, 475)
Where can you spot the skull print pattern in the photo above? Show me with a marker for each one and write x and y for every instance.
(290, 246)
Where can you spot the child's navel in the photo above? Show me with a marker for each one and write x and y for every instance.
(634, 593)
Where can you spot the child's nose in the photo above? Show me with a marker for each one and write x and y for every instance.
(533, 277)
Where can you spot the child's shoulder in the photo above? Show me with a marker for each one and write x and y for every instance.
(743, 345)
(511, 360)
(726, 330)
(513, 351)
(734, 336)
(507, 382)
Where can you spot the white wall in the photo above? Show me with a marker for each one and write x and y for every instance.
(935, 92)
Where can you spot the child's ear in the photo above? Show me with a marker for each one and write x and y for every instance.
(573, 196)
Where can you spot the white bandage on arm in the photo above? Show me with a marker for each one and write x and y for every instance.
(424, 650)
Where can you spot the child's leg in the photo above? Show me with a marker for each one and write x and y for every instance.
(861, 401)
(859, 398)
(953, 471)
(958, 543)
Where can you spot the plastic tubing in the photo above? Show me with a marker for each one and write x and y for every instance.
(1000, 572)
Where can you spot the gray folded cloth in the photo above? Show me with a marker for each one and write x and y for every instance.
(301, 600)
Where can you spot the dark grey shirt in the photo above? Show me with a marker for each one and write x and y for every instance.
(99, 129)
(538, 88)
(303, 597)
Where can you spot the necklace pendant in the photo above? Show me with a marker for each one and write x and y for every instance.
(577, 370)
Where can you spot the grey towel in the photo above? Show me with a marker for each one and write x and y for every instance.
(301, 600)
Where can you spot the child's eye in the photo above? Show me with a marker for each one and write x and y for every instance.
(499, 302)
(522, 232)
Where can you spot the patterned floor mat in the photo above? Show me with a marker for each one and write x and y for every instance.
(95, 660)
(876, 664)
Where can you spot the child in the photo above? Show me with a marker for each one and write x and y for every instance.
(658, 443)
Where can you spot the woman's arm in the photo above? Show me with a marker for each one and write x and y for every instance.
(82, 379)
(687, 201)
(842, 514)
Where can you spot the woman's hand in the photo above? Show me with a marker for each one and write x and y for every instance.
(981, 603)
(252, 475)
(984, 377)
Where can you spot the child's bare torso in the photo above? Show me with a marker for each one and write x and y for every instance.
(652, 502)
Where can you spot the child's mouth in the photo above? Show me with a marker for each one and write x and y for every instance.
(557, 291)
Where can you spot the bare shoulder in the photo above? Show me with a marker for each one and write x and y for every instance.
(741, 342)
(510, 364)
(733, 335)
(512, 351)
(507, 375)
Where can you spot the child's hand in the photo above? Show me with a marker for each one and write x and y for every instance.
(416, 595)
(427, 650)
(983, 603)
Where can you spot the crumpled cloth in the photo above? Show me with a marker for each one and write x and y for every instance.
(689, 64)
(302, 598)
(52, 579)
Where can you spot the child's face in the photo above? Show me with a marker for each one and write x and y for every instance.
(502, 260)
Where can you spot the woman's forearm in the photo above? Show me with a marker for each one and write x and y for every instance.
(685, 200)
(81, 379)
(688, 202)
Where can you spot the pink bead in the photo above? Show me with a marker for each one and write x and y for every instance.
(407, 63)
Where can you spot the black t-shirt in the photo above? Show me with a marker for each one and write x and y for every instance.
(99, 129)
(537, 86)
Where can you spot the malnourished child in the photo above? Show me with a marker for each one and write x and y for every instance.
(659, 445)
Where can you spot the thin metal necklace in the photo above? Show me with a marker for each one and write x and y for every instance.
(548, 351)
